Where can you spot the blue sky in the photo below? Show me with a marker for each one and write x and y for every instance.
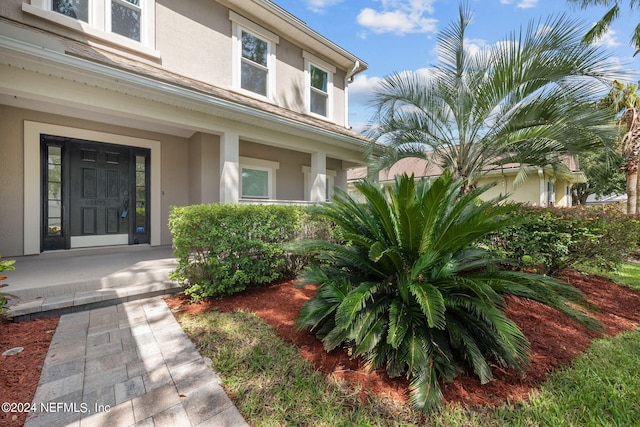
(400, 35)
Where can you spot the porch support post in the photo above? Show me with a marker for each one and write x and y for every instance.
(318, 191)
(543, 188)
(229, 167)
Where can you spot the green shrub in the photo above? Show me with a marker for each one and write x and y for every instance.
(223, 249)
(411, 292)
(552, 239)
(5, 265)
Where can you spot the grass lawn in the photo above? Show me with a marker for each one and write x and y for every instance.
(272, 385)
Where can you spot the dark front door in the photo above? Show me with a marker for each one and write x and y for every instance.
(94, 194)
(99, 194)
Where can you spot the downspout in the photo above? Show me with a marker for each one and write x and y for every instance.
(349, 79)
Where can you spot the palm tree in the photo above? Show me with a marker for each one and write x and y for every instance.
(624, 98)
(611, 14)
(526, 100)
(411, 291)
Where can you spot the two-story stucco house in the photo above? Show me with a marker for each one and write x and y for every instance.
(112, 111)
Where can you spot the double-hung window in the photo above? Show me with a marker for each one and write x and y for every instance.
(127, 22)
(254, 63)
(253, 57)
(76, 9)
(126, 18)
(319, 83)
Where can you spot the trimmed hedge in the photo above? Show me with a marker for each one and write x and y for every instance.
(552, 239)
(223, 249)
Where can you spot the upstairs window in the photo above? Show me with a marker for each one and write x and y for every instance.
(319, 83)
(126, 17)
(254, 58)
(76, 9)
(254, 69)
(319, 94)
(128, 23)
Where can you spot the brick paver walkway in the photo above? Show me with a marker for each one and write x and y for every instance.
(124, 365)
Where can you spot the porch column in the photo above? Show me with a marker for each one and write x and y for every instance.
(543, 188)
(318, 191)
(229, 167)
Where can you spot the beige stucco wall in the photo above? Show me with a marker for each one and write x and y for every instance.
(174, 161)
(194, 38)
(527, 192)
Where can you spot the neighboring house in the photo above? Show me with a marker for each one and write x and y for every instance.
(112, 111)
(541, 187)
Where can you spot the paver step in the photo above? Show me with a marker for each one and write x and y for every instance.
(57, 305)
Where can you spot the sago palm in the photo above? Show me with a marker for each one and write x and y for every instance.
(411, 291)
(526, 100)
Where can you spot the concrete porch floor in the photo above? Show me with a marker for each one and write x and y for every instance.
(59, 282)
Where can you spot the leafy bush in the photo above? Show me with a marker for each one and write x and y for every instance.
(411, 292)
(550, 240)
(5, 265)
(222, 249)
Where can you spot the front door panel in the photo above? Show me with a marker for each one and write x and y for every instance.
(99, 194)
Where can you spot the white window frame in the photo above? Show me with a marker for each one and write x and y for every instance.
(99, 25)
(240, 24)
(330, 182)
(261, 165)
(108, 15)
(309, 61)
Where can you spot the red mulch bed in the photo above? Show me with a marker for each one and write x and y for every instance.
(555, 339)
(20, 373)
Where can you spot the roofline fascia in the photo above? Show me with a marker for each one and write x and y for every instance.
(42, 53)
(300, 25)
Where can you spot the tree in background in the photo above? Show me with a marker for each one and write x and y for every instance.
(625, 101)
(605, 175)
(526, 100)
(613, 12)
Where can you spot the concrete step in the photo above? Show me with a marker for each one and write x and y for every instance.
(60, 282)
(58, 305)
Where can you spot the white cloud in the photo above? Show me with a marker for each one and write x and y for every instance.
(320, 6)
(523, 4)
(528, 4)
(361, 88)
(608, 39)
(399, 17)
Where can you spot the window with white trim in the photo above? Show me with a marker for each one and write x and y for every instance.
(257, 178)
(253, 57)
(318, 95)
(254, 63)
(118, 21)
(319, 84)
(126, 18)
